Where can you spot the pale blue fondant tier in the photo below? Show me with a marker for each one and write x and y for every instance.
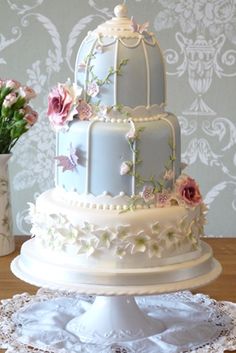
(101, 155)
(141, 81)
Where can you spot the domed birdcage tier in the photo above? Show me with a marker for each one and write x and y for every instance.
(123, 60)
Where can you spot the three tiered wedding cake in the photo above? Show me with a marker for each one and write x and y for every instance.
(121, 203)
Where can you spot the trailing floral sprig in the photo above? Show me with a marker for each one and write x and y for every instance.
(155, 192)
(65, 102)
(133, 136)
(94, 83)
(16, 115)
(111, 72)
(186, 193)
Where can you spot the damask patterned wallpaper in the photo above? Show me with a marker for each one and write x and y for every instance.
(39, 40)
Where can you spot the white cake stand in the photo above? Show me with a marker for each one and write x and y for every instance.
(115, 317)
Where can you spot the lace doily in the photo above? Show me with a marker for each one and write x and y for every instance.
(34, 324)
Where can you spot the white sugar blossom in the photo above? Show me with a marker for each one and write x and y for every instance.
(88, 227)
(88, 246)
(105, 237)
(184, 225)
(172, 236)
(40, 221)
(139, 242)
(154, 249)
(155, 228)
(201, 219)
(193, 233)
(120, 252)
(122, 232)
(68, 234)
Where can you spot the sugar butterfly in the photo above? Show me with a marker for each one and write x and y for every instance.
(68, 162)
(139, 28)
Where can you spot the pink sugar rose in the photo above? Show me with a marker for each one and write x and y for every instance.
(188, 190)
(60, 106)
(84, 110)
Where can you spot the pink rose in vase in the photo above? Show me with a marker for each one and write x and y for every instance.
(31, 116)
(188, 190)
(12, 84)
(9, 100)
(28, 93)
(61, 109)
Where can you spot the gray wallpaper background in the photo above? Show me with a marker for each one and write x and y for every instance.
(39, 40)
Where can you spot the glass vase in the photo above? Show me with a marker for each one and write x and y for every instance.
(7, 241)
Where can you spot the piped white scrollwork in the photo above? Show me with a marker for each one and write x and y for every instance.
(220, 127)
(22, 9)
(4, 43)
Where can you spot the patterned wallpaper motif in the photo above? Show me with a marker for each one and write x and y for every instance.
(39, 40)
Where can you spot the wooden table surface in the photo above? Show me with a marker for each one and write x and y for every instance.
(223, 288)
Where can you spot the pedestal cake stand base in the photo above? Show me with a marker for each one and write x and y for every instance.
(193, 323)
(114, 319)
(115, 316)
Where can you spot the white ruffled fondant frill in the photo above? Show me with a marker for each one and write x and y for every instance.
(195, 323)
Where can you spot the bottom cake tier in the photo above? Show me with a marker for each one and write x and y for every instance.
(89, 237)
(49, 269)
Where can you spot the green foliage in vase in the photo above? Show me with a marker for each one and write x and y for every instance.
(16, 115)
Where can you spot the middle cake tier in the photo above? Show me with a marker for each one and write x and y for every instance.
(119, 157)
